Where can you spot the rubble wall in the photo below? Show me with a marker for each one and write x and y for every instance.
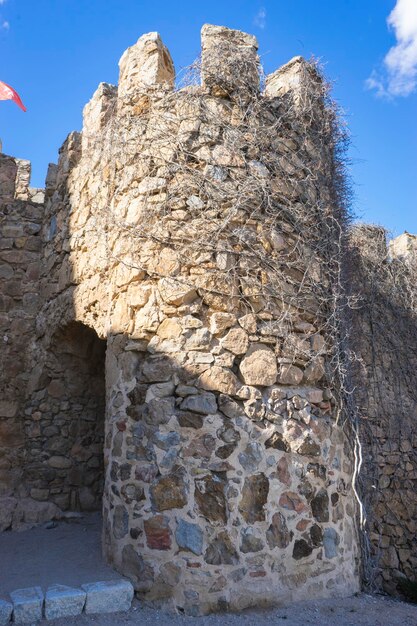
(20, 245)
(192, 229)
(385, 342)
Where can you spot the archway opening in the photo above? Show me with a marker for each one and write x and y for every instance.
(69, 461)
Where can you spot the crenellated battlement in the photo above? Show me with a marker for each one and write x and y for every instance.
(229, 69)
(15, 179)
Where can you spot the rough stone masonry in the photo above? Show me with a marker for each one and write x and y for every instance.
(168, 332)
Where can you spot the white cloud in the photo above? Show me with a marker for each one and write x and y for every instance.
(398, 76)
(260, 18)
(5, 25)
(3, 2)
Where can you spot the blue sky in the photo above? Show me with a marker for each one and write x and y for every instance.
(55, 52)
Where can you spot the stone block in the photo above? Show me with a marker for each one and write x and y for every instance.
(229, 62)
(7, 508)
(259, 366)
(299, 80)
(98, 111)
(5, 612)
(63, 601)
(147, 63)
(189, 537)
(109, 596)
(27, 605)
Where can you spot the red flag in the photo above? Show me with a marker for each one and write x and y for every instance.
(8, 93)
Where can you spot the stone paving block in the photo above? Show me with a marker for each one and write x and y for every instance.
(5, 612)
(109, 596)
(27, 605)
(63, 601)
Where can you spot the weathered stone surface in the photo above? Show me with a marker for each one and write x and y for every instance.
(189, 537)
(320, 506)
(139, 571)
(221, 551)
(290, 375)
(278, 535)
(187, 419)
(198, 339)
(259, 366)
(230, 49)
(169, 329)
(27, 605)
(316, 535)
(165, 441)
(223, 452)
(236, 341)
(60, 462)
(309, 447)
(229, 407)
(159, 410)
(26, 513)
(296, 80)
(277, 442)
(200, 447)
(158, 532)
(8, 408)
(97, 112)
(132, 493)
(219, 379)
(301, 549)
(314, 371)
(120, 521)
(203, 403)
(169, 492)
(292, 502)
(146, 472)
(171, 573)
(157, 369)
(283, 473)
(330, 542)
(254, 498)
(317, 470)
(228, 434)
(220, 322)
(250, 542)
(63, 601)
(7, 508)
(177, 292)
(146, 63)
(251, 457)
(159, 390)
(109, 596)
(210, 497)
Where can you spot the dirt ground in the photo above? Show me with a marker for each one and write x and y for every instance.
(362, 610)
(67, 554)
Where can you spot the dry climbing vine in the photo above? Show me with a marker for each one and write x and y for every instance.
(248, 198)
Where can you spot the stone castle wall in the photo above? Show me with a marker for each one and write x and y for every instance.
(20, 246)
(178, 364)
(386, 397)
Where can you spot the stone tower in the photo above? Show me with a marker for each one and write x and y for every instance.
(188, 263)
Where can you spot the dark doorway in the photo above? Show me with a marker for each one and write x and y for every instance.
(66, 465)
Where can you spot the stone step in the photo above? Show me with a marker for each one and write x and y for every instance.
(30, 605)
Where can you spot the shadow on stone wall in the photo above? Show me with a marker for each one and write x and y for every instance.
(20, 245)
(64, 461)
(386, 395)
